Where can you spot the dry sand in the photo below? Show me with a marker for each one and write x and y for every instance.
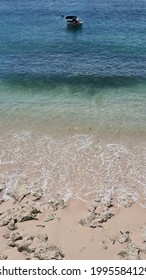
(72, 231)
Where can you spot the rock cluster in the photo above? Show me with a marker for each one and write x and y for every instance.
(34, 247)
(34, 244)
(17, 214)
(25, 208)
(56, 203)
(130, 251)
(98, 214)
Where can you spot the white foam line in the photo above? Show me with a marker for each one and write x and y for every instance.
(75, 165)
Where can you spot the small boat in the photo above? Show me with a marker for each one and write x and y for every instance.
(73, 21)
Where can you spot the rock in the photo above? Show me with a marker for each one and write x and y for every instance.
(95, 223)
(6, 235)
(143, 235)
(95, 219)
(42, 237)
(11, 243)
(58, 251)
(51, 217)
(29, 214)
(6, 217)
(42, 251)
(13, 238)
(105, 216)
(37, 190)
(12, 225)
(130, 253)
(124, 237)
(40, 225)
(24, 244)
(97, 199)
(16, 236)
(37, 195)
(37, 247)
(109, 204)
(113, 240)
(88, 219)
(3, 257)
(10, 214)
(32, 247)
(21, 193)
(35, 210)
(57, 202)
(51, 255)
(123, 254)
(18, 214)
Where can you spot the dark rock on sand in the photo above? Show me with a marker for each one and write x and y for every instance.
(56, 203)
(38, 248)
(24, 243)
(13, 238)
(130, 251)
(95, 219)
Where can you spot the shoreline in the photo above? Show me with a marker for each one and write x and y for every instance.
(73, 230)
(76, 166)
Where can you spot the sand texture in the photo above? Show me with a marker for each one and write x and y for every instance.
(74, 230)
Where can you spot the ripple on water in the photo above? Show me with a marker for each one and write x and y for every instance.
(75, 166)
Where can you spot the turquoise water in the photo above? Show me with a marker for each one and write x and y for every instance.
(73, 101)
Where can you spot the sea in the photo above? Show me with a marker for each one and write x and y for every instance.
(73, 100)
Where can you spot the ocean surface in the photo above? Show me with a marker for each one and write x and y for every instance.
(73, 101)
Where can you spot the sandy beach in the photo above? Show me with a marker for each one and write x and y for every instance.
(72, 131)
(72, 230)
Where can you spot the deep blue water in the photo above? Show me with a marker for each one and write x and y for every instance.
(103, 63)
(41, 60)
(36, 44)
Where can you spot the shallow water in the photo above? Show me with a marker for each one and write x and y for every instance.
(72, 102)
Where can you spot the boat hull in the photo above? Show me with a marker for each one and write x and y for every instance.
(74, 25)
(73, 22)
